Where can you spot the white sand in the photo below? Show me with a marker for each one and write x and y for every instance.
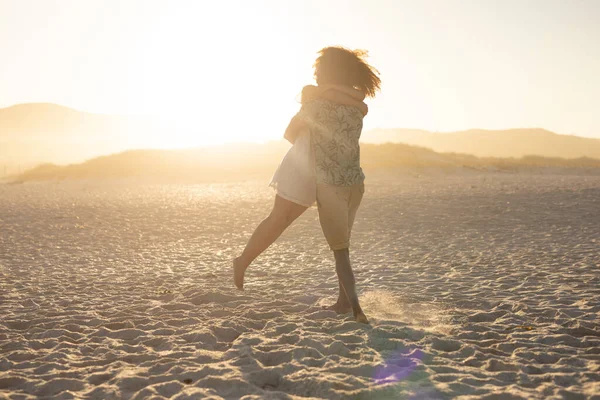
(482, 286)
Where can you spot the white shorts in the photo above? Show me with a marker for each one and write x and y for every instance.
(295, 178)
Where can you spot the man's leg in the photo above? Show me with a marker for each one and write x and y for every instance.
(356, 195)
(348, 283)
(342, 304)
(337, 209)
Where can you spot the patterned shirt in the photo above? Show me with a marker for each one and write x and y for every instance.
(334, 131)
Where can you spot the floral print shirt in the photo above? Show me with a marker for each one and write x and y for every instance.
(334, 131)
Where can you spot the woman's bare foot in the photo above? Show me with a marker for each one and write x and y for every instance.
(339, 308)
(362, 318)
(238, 273)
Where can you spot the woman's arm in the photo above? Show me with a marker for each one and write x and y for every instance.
(336, 93)
(350, 91)
(343, 98)
(293, 129)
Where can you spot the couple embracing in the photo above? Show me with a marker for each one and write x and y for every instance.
(323, 166)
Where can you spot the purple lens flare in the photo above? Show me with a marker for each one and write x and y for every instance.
(399, 366)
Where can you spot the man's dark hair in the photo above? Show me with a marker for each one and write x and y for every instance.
(341, 66)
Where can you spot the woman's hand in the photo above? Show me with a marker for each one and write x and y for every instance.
(309, 93)
(350, 91)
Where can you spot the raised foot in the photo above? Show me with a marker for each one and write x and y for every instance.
(339, 308)
(362, 318)
(238, 274)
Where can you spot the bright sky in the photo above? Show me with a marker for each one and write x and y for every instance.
(232, 70)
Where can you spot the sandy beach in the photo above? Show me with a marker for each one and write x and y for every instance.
(479, 285)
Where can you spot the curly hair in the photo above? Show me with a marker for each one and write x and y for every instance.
(341, 66)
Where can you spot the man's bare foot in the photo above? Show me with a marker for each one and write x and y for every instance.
(362, 318)
(339, 308)
(238, 274)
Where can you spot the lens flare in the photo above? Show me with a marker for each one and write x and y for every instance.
(399, 366)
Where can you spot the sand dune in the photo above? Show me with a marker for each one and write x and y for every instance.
(36, 133)
(493, 143)
(480, 286)
(258, 161)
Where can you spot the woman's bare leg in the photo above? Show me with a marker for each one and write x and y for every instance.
(283, 214)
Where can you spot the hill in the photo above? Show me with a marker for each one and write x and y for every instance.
(254, 161)
(40, 132)
(36, 133)
(490, 143)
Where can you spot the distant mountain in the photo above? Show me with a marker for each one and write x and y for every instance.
(490, 143)
(43, 132)
(31, 134)
(45, 119)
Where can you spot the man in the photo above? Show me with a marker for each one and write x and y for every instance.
(335, 131)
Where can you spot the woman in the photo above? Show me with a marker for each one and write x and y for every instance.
(343, 79)
(294, 180)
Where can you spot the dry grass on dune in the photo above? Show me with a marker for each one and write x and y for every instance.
(517, 142)
(402, 155)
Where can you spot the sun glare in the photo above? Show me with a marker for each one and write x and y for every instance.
(231, 70)
(236, 87)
